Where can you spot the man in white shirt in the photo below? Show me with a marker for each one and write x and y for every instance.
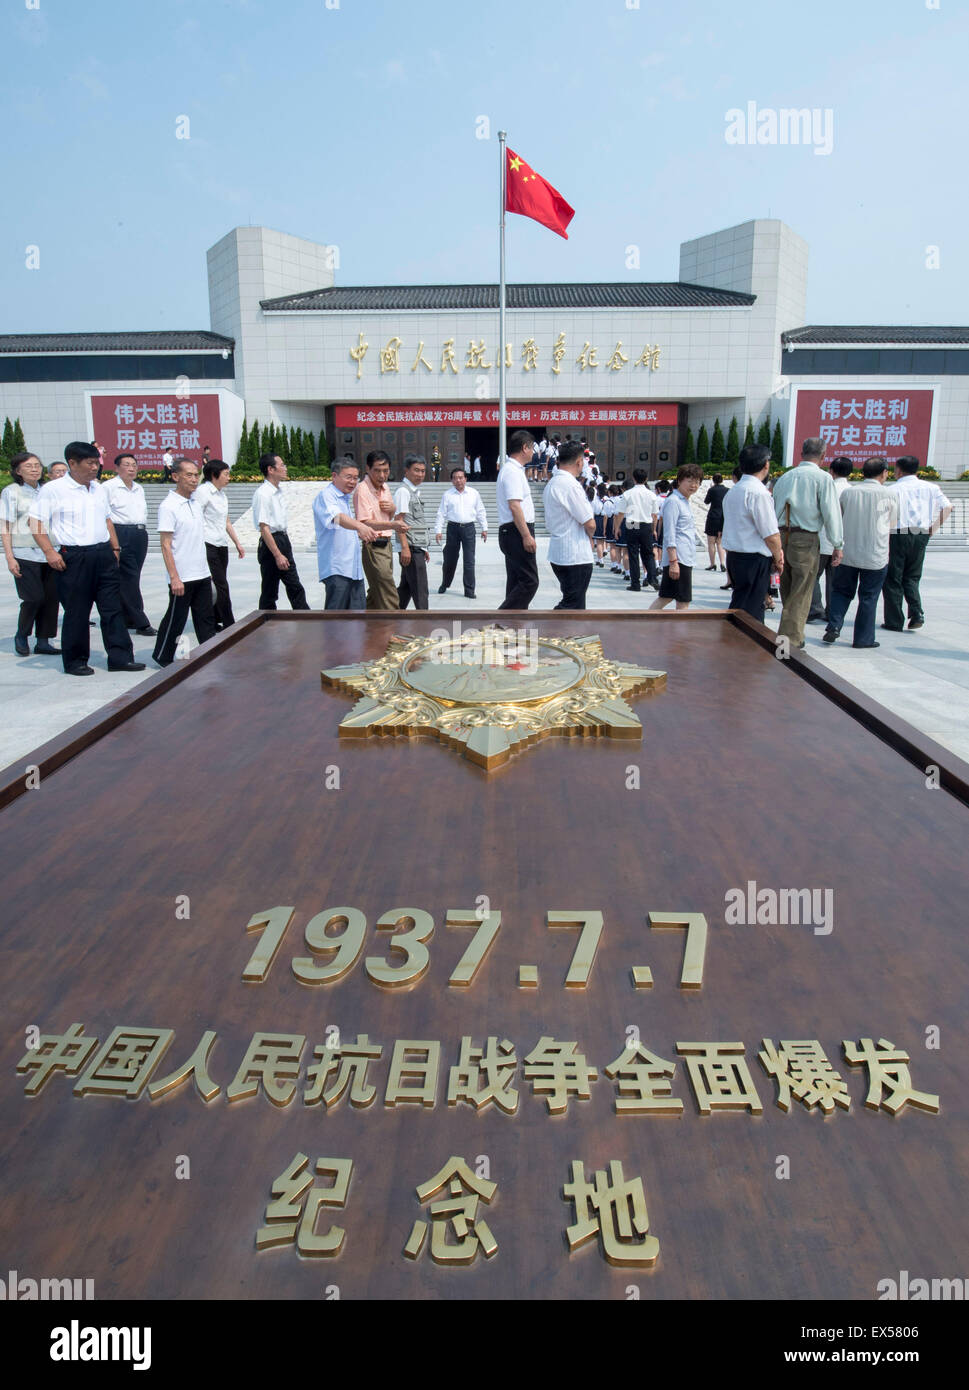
(640, 508)
(72, 514)
(461, 506)
(274, 552)
(476, 466)
(516, 523)
(167, 461)
(182, 532)
(751, 535)
(570, 521)
(922, 508)
(129, 512)
(870, 512)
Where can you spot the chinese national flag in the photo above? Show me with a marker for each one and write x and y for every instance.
(528, 193)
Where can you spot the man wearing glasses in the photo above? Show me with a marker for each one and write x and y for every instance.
(516, 523)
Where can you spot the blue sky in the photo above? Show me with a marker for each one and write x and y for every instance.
(354, 123)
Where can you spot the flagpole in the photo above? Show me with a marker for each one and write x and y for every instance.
(502, 431)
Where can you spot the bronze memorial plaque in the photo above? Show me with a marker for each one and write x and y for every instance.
(585, 956)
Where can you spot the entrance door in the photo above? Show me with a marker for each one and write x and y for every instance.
(483, 443)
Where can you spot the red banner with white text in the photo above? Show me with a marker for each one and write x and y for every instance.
(148, 423)
(861, 423)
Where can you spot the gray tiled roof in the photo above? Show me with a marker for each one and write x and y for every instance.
(631, 295)
(190, 341)
(839, 333)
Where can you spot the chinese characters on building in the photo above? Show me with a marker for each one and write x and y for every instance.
(479, 357)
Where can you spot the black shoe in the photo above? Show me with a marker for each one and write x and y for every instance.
(46, 649)
(79, 671)
(21, 646)
(915, 624)
(634, 588)
(816, 618)
(471, 596)
(711, 567)
(655, 586)
(723, 586)
(860, 646)
(829, 636)
(886, 628)
(126, 665)
(148, 631)
(442, 590)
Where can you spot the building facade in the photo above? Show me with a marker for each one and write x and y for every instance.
(627, 366)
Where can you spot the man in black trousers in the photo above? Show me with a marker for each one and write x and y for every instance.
(182, 533)
(516, 523)
(461, 506)
(751, 536)
(72, 512)
(275, 551)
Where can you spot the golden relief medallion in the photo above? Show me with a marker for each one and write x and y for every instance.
(488, 692)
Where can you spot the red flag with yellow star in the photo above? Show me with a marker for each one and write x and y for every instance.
(527, 193)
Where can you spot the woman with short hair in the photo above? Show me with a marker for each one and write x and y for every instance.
(216, 525)
(33, 576)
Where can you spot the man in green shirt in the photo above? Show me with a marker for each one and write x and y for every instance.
(805, 499)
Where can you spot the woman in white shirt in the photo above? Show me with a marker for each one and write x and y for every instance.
(217, 526)
(33, 576)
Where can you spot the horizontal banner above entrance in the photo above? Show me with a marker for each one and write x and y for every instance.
(553, 416)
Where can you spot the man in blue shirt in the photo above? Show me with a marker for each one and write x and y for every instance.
(338, 537)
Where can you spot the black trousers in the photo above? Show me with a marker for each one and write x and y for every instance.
(460, 536)
(413, 581)
(272, 574)
(91, 577)
(750, 577)
(906, 554)
(196, 599)
(218, 558)
(521, 568)
(37, 591)
(134, 547)
(640, 542)
(573, 581)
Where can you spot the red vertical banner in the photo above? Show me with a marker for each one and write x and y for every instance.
(861, 423)
(146, 424)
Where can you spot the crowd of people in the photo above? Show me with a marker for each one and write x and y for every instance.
(73, 543)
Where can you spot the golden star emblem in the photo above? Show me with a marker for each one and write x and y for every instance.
(488, 692)
(515, 164)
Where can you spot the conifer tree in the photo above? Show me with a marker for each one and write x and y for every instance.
(323, 455)
(718, 449)
(7, 450)
(689, 453)
(749, 433)
(702, 446)
(763, 434)
(733, 443)
(19, 444)
(777, 447)
(242, 453)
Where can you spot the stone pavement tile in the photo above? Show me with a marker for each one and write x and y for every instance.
(924, 676)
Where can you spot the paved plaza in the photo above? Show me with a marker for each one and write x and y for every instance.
(922, 677)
